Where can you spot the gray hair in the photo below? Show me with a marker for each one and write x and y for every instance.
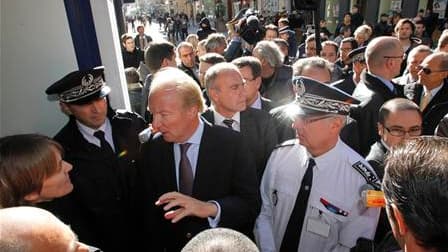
(315, 61)
(220, 240)
(214, 41)
(270, 52)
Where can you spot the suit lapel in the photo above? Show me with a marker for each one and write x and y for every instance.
(208, 115)
(441, 97)
(378, 86)
(205, 164)
(169, 166)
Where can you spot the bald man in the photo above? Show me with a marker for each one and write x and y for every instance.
(383, 57)
(30, 229)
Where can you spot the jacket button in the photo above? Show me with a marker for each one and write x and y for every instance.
(188, 235)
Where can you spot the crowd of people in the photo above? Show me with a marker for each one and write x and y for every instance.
(245, 142)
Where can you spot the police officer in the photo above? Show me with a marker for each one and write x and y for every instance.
(102, 145)
(358, 61)
(311, 186)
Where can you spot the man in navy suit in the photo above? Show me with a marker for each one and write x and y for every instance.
(192, 176)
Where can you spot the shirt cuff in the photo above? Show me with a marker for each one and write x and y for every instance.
(213, 222)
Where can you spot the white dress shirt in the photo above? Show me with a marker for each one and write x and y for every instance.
(219, 120)
(88, 132)
(257, 103)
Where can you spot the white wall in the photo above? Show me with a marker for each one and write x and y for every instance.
(36, 50)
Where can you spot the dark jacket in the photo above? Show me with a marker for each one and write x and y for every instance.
(442, 128)
(376, 158)
(190, 72)
(137, 41)
(279, 90)
(258, 130)
(372, 93)
(223, 174)
(132, 59)
(347, 85)
(434, 111)
(98, 207)
(204, 32)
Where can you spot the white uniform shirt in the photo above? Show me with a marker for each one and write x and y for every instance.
(334, 180)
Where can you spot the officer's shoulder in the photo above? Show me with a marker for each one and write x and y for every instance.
(286, 144)
(123, 113)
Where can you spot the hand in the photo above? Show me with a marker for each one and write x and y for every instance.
(187, 206)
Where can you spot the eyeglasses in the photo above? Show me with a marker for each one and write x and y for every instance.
(396, 57)
(308, 119)
(415, 131)
(428, 71)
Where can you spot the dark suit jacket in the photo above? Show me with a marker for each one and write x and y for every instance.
(266, 104)
(190, 72)
(279, 90)
(372, 93)
(258, 131)
(137, 41)
(223, 174)
(442, 128)
(376, 158)
(436, 109)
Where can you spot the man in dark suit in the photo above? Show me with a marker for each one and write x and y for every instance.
(102, 144)
(383, 56)
(431, 93)
(250, 69)
(225, 87)
(187, 56)
(192, 176)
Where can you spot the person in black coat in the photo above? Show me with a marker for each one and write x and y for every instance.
(433, 82)
(102, 145)
(357, 59)
(383, 57)
(205, 29)
(192, 176)
(132, 56)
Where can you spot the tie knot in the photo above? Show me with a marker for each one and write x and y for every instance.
(99, 134)
(311, 163)
(184, 147)
(228, 122)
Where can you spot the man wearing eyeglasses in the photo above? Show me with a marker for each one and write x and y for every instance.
(225, 88)
(383, 57)
(431, 91)
(311, 186)
(399, 120)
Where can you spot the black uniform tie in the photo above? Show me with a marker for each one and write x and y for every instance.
(293, 231)
(185, 171)
(105, 146)
(228, 123)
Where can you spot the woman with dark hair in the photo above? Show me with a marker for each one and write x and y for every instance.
(32, 170)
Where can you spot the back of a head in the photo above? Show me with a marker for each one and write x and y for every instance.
(270, 52)
(30, 229)
(156, 53)
(378, 48)
(220, 240)
(415, 182)
(131, 75)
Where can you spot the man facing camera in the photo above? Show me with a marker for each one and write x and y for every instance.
(102, 145)
(192, 176)
(415, 189)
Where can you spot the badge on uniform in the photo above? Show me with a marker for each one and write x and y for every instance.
(318, 227)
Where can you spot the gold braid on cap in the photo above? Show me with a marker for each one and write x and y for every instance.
(88, 86)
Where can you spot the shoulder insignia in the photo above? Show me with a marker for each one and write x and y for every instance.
(368, 175)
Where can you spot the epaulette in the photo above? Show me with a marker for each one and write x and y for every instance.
(290, 142)
(368, 175)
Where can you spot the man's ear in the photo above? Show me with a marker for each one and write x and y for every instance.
(402, 227)
(380, 129)
(65, 108)
(32, 197)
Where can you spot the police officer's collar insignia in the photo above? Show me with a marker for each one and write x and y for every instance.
(88, 85)
(368, 175)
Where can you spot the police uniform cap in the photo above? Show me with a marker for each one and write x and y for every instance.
(357, 54)
(314, 98)
(80, 87)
